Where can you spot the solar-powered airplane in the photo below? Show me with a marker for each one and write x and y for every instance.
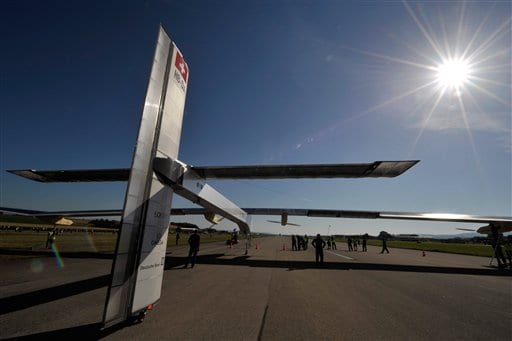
(156, 173)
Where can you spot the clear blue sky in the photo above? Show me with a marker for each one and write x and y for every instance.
(271, 82)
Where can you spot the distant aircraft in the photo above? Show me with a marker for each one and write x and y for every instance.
(156, 173)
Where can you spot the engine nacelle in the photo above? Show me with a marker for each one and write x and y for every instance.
(284, 219)
(212, 217)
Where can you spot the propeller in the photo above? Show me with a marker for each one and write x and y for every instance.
(284, 220)
(278, 222)
(463, 229)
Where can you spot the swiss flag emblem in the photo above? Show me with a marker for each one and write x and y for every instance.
(181, 66)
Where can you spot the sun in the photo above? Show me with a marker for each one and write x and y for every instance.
(453, 73)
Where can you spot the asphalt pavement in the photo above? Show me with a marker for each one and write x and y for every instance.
(273, 293)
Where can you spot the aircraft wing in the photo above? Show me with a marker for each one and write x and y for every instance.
(320, 213)
(504, 223)
(354, 214)
(375, 169)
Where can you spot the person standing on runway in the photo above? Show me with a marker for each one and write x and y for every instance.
(384, 236)
(294, 243)
(365, 238)
(496, 245)
(333, 243)
(300, 243)
(319, 244)
(193, 241)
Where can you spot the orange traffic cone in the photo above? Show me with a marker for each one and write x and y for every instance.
(284, 247)
(256, 245)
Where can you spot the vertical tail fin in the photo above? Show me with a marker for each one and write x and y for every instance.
(137, 270)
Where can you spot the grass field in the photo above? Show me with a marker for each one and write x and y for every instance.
(99, 242)
(104, 242)
(464, 249)
(66, 242)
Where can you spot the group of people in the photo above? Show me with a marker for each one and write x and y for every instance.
(508, 250)
(299, 242)
(497, 241)
(354, 243)
(319, 244)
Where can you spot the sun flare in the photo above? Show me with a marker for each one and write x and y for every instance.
(453, 73)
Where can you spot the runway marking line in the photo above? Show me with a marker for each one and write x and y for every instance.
(337, 254)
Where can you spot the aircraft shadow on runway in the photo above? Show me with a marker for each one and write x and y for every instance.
(90, 331)
(27, 300)
(30, 299)
(176, 263)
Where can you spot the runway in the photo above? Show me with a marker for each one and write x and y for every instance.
(271, 294)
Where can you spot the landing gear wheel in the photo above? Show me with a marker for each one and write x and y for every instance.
(140, 317)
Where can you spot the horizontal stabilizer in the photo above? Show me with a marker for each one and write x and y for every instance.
(84, 175)
(377, 169)
(89, 213)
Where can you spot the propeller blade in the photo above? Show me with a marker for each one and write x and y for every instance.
(278, 222)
